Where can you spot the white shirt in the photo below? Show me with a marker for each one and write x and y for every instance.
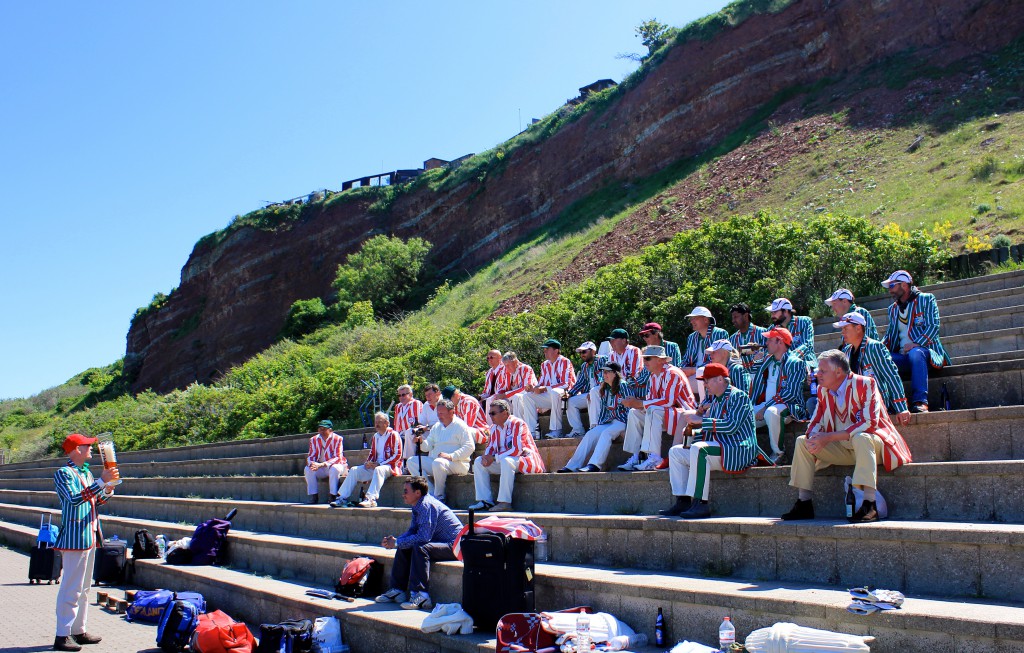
(428, 415)
(454, 439)
(903, 325)
(379, 441)
(773, 383)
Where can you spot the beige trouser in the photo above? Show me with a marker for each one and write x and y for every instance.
(331, 473)
(439, 469)
(550, 399)
(862, 451)
(73, 594)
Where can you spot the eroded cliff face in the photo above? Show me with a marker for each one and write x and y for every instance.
(234, 295)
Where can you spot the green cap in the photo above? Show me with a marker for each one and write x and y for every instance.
(618, 333)
(448, 392)
(325, 423)
(551, 342)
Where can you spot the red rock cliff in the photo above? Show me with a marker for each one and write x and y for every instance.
(234, 295)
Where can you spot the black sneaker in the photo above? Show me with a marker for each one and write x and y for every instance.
(565, 470)
(681, 505)
(590, 468)
(801, 510)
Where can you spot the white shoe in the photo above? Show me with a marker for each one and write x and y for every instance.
(368, 503)
(392, 596)
(554, 435)
(481, 505)
(630, 464)
(649, 464)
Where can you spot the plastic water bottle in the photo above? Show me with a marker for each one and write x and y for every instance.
(540, 552)
(726, 635)
(624, 642)
(659, 629)
(161, 543)
(366, 443)
(583, 633)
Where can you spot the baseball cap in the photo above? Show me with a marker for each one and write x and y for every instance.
(712, 370)
(587, 345)
(842, 293)
(899, 276)
(782, 334)
(551, 342)
(850, 318)
(448, 392)
(325, 423)
(618, 333)
(780, 304)
(611, 366)
(650, 326)
(720, 344)
(76, 440)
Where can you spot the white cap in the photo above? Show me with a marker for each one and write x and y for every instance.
(587, 345)
(842, 293)
(899, 276)
(850, 318)
(720, 344)
(780, 304)
(700, 311)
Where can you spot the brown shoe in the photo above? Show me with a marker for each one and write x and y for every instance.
(800, 510)
(866, 514)
(86, 638)
(501, 506)
(65, 643)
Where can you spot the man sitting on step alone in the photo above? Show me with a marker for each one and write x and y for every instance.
(849, 427)
(383, 461)
(449, 447)
(325, 460)
(511, 450)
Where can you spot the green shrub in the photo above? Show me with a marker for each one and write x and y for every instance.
(304, 316)
(1002, 240)
(385, 271)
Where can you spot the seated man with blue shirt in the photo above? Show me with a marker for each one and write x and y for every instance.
(430, 537)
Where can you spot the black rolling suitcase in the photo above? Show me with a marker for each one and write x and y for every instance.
(44, 561)
(111, 562)
(497, 576)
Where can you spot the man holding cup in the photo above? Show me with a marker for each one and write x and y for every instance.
(80, 496)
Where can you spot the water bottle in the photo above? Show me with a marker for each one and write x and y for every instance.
(161, 543)
(624, 642)
(945, 397)
(366, 443)
(583, 633)
(659, 630)
(540, 552)
(726, 635)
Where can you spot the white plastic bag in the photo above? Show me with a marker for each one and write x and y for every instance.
(326, 634)
(858, 498)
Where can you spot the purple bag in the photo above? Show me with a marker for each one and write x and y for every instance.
(209, 541)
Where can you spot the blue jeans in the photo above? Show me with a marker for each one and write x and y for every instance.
(917, 362)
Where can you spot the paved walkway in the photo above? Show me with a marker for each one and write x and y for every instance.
(28, 619)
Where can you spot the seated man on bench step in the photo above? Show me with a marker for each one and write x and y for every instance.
(611, 424)
(449, 447)
(511, 450)
(324, 460)
(468, 409)
(849, 427)
(383, 462)
(777, 387)
(869, 357)
(556, 377)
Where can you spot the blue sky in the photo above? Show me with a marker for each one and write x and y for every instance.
(130, 130)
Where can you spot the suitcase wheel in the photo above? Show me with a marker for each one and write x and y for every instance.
(31, 581)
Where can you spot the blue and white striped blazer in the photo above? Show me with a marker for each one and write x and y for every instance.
(80, 495)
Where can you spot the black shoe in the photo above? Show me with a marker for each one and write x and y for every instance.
(699, 510)
(681, 505)
(867, 513)
(331, 498)
(65, 644)
(801, 510)
(564, 470)
(86, 638)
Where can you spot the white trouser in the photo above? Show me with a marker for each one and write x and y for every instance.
(687, 475)
(550, 399)
(697, 386)
(507, 466)
(774, 421)
(594, 405)
(596, 444)
(572, 413)
(487, 410)
(523, 408)
(409, 446)
(643, 430)
(331, 473)
(439, 471)
(360, 474)
(73, 595)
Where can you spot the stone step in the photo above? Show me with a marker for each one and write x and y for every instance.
(693, 606)
(969, 324)
(984, 556)
(972, 491)
(1007, 343)
(953, 289)
(977, 385)
(947, 307)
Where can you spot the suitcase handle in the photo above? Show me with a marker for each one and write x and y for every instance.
(472, 516)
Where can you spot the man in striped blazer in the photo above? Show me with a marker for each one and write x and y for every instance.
(799, 326)
(383, 461)
(407, 418)
(723, 353)
(653, 334)
(841, 302)
(749, 338)
(630, 360)
(728, 444)
(849, 427)
(468, 409)
(428, 412)
(583, 393)
(913, 335)
(494, 381)
(556, 377)
(511, 450)
(80, 496)
(521, 378)
(324, 460)
(704, 333)
(668, 395)
(777, 387)
(869, 357)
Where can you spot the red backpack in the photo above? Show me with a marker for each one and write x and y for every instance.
(361, 577)
(216, 632)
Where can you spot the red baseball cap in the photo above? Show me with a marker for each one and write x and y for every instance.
(712, 370)
(650, 326)
(76, 440)
(782, 334)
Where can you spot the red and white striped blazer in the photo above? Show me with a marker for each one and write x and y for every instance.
(631, 360)
(327, 450)
(472, 414)
(867, 408)
(407, 415)
(392, 454)
(522, 377)
(514, 439)
(671, 391)
(559, 374)
(496, 380)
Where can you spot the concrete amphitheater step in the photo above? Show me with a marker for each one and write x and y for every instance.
(971, 491)
(975, 559)
(693, 606)
(955, 289)
(971, 324)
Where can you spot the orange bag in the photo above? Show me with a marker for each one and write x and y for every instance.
(216, 632)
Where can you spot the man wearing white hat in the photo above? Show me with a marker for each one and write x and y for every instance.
(913, 335)
(869, 357)
(723, 353)
(668, 395)
(841, 302)
(799, 326)
(704, 333)
(777, 387)
(584, 393)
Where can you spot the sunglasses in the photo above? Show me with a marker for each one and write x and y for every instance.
(649, 358)
(495, 412)
(404, 394)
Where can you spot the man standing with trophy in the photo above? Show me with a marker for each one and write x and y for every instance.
(80, 496)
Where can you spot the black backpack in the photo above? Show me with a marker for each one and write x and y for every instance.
(145, 546)
(295, 635)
